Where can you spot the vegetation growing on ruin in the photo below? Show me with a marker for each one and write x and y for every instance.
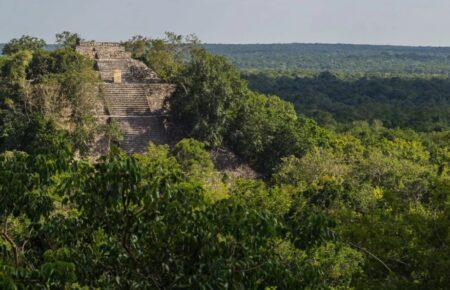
(364, 206)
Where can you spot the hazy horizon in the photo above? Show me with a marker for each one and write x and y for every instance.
(384, 22)
(281, 43)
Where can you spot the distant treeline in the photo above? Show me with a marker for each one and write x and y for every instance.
(336, 57)
(343, 58)
(417, 103)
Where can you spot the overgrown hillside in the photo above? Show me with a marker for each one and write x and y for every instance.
(362, 207)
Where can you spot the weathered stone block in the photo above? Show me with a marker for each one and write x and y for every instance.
(117, 76)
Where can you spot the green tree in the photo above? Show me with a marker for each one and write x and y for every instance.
(68, 39)
(166, 56)
(267, 129)
(196, 162)
(24, 43)
(208, 92)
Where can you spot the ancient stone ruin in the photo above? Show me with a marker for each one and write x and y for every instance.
(133, 95)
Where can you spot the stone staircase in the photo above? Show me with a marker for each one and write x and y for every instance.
(136, 103)
(128, 105)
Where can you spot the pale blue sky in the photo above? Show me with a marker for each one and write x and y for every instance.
(406, 22)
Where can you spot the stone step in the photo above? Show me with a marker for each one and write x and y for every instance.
(129, 85)
(127, 91)
(129, 111)
(126, 96)
(118, 104)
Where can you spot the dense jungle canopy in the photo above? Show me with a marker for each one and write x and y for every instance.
(353, 187)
